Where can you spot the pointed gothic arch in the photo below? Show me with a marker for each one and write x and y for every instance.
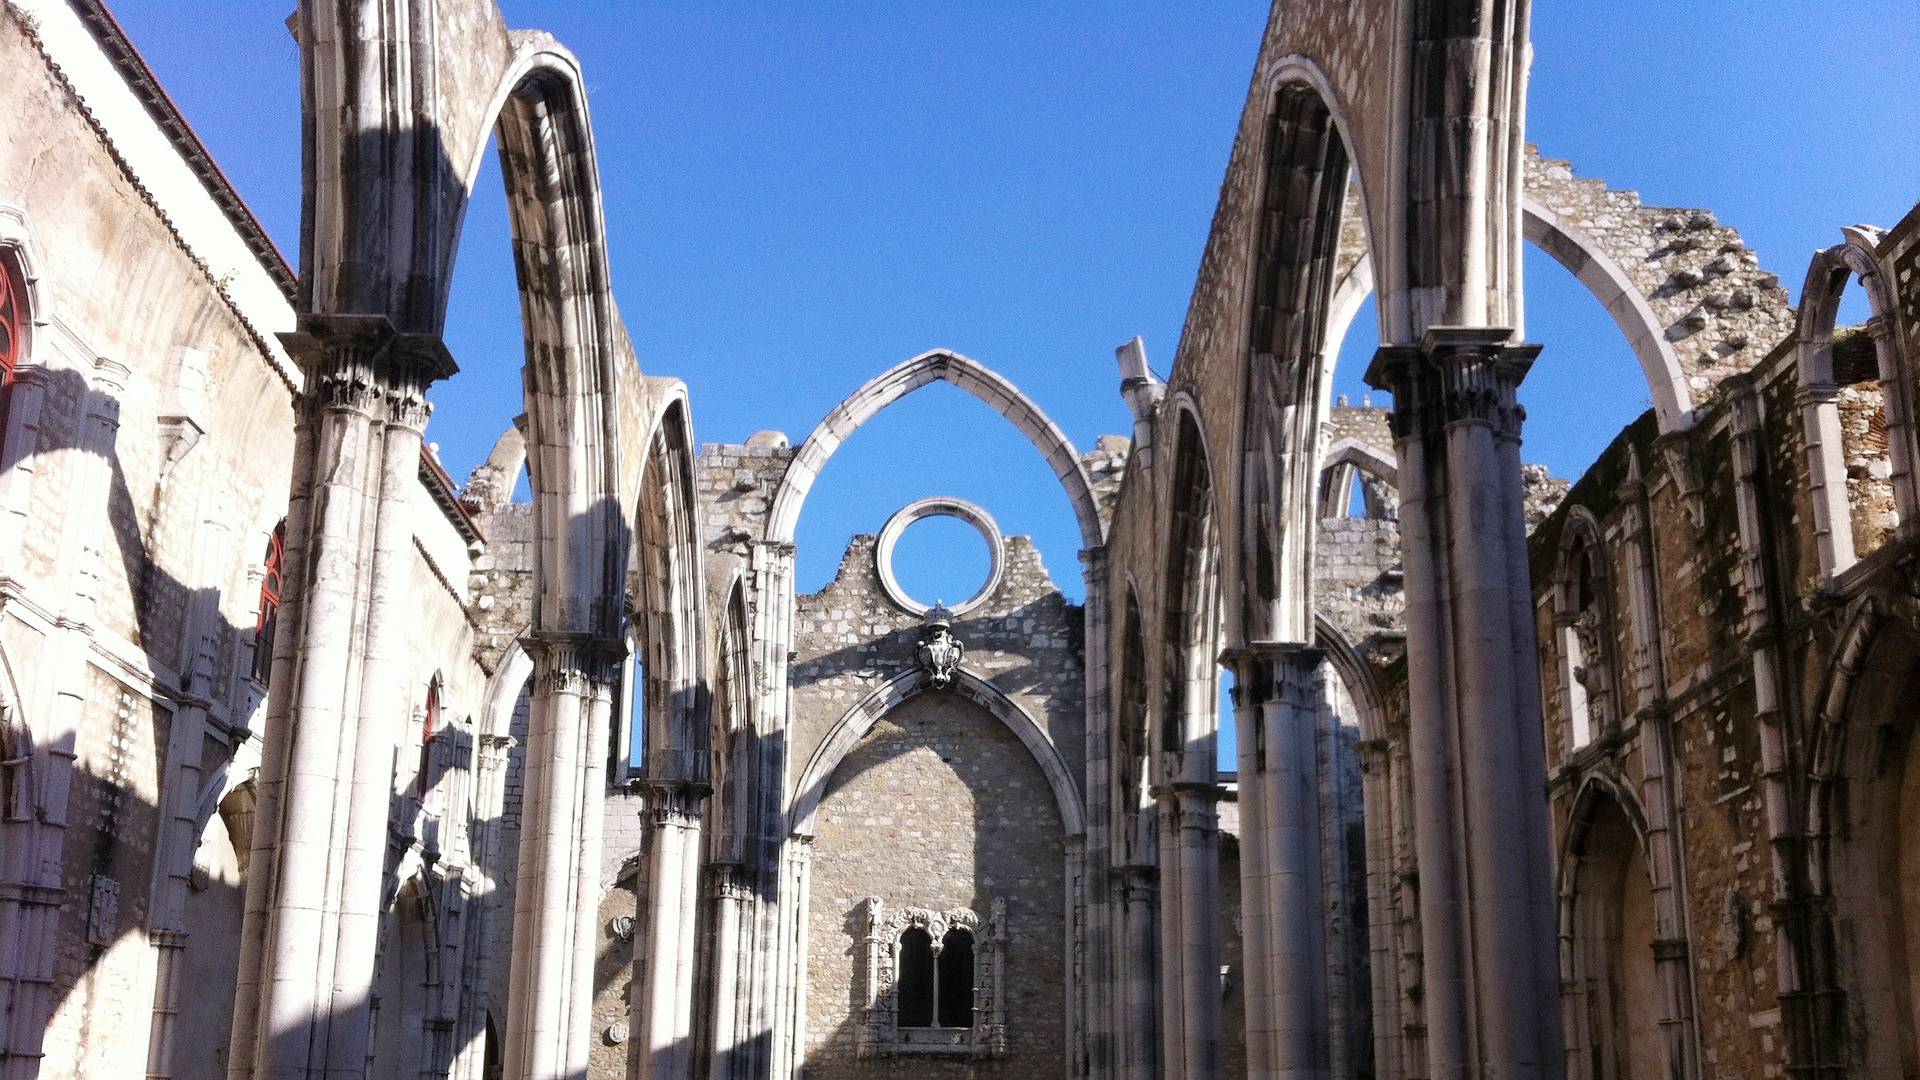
(883, 390)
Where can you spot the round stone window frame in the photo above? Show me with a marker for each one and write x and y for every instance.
(939, 506)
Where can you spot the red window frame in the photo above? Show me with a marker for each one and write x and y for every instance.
(272, 581)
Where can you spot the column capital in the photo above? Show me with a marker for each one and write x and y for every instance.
(358, 362)
(1455, 374)
(571, 663)
(1263, 669)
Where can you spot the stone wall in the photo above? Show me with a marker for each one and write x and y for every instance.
(939, 807)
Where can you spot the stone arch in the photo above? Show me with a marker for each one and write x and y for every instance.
(1609, 1033)
(1828, 275)
(1595, 267)
(858, 720)
(1369, 703)
(1351, 459)
(1291, 288)
(1190, 611)
(939, 365)
(1607, 280)
(668, 599)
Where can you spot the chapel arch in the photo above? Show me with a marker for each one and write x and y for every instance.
(1190, 616)
(1611, 986)
(1862, 805)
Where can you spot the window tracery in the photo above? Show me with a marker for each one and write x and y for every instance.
(934, 981)
(271, 580)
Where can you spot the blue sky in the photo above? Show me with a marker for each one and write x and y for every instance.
(800, 196)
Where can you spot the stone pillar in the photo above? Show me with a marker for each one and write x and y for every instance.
(1097, 1005)
(1486, 883)
(1190, 931)
(1826, 475)
(1139, 1045)
(559, 849)
(1276, 696)
(663, 975)
(1383, 963)
(732, 915)
(1659, 791)
(311, 925)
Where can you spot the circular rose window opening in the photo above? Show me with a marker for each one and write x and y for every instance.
(939, 550)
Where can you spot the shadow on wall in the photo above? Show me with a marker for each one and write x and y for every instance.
(111, 819)
(923, 850)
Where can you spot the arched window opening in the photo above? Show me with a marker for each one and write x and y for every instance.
(13, 329)
(429, 730)
(916, 978)
(1131, 723)
(1191, 617)
(1583, 628)
(954, 990)
(1865, 439)
(272, 580)
(627, 741)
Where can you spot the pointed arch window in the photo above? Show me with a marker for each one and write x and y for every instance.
(13, 330)
(429, 728)
(272, 581)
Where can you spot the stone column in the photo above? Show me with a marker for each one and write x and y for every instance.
(1139, 1045)
(732, 915)
(1486, 884)
(1097, 945)
(1190, 931)
(564, 778)
(663, 975)
(311, 924)
(1276, 696)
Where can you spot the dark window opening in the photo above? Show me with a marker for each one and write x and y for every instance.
(424, 782)
(916, 978)
(956, 979)
(271, 581)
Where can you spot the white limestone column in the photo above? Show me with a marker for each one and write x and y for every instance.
(378, 713)
(1196, 840)
(663, 951)
(571, 676)
(1486, 896)
(311, 924)
(732, 904)
(591, 818)
(1277, 692)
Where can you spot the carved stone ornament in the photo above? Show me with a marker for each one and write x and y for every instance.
(616, 1033)
(940, 652)
(881, 1033)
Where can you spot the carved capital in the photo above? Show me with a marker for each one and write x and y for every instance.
(1455, 375)
(1264, 670)
(572, 665)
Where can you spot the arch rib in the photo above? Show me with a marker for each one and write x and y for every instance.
(939, 365)
(858, 720)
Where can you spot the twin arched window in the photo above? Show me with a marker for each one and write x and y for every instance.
(936, 988)
(429, 727)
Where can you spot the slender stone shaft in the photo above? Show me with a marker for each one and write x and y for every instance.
(1486, 891)
(1277, 693)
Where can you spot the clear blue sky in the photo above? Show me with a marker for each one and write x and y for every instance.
(800, 196)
